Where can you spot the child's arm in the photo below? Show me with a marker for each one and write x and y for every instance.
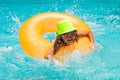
(89, 35)
(50, 51)
(86, 33)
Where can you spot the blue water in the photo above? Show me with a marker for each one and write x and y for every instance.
(103, 17)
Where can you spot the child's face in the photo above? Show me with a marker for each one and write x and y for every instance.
(69, 37)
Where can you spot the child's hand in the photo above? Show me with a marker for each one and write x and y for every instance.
(92, 46)
(50, 53)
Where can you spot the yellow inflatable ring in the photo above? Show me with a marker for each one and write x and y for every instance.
(35, 45)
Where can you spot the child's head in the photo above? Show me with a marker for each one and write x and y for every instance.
(66, 34)
(67, 31)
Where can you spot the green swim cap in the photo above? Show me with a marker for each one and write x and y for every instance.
(65, 26)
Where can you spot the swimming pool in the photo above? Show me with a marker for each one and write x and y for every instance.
(103, 17)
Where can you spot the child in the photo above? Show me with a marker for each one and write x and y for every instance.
(67, 34)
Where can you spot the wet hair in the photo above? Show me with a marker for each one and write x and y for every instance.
(59, 42)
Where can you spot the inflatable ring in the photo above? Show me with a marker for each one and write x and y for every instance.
(35, 45)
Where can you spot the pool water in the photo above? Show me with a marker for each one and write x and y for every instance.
(103, 63)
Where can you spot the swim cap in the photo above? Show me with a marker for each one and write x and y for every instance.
(65, 26)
